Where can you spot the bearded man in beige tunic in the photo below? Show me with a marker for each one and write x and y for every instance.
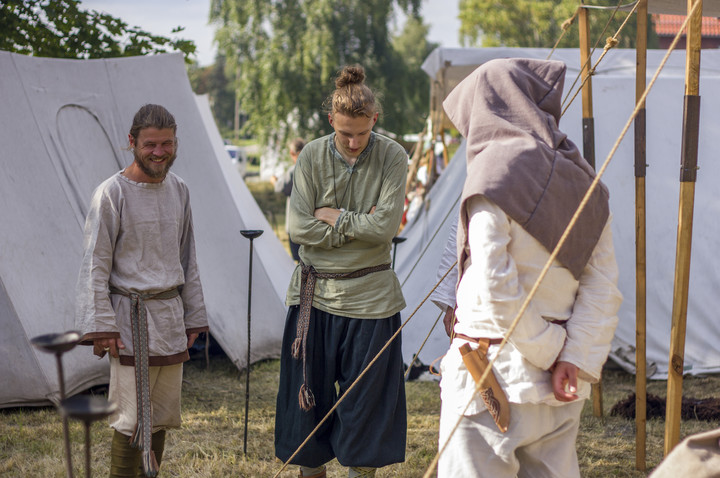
(139, 296)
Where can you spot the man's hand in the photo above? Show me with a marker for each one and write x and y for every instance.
(330, 215)
(103, 346)
(448, 320)
(191, 339)
(327, 215)
(564, 381)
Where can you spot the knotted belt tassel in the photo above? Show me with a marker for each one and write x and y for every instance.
(142, 437)
(298, 348)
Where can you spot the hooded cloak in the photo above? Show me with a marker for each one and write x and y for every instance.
(508, 110)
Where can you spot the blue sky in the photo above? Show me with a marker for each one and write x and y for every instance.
(161, 16)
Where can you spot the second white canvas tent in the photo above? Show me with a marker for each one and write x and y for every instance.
(614, 99)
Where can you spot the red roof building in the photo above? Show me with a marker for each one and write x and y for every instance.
(667, 26)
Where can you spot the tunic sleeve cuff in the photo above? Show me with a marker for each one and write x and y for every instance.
(89, 338)
(197, 330)
(339, 219)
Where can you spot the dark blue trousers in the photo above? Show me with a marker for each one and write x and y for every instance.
(369, 427)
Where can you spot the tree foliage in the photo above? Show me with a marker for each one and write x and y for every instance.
(538, 23)
(284, 54)
(408, 95)
(213, 81)
(61, 29)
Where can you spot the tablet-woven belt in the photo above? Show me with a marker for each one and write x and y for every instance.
(142, 438)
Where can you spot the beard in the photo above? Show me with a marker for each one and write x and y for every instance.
(152, 169)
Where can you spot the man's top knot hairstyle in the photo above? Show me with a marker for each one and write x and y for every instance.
(350, 75)
(352, 97)
(152, 116)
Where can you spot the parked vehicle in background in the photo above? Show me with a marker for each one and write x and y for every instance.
(238, 157)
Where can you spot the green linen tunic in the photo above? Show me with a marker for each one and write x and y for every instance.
(358, 239)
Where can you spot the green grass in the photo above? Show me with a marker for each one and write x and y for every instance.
(211, 441)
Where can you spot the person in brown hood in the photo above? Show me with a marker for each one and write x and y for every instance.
(525, 181)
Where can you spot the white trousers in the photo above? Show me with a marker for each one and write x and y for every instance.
(165, 388)
(539, 443)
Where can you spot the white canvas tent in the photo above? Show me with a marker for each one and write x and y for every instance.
(614, 99)
(63, 125)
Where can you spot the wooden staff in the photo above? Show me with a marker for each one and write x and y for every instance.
(588, 125)
(640, 242)
(688, 174)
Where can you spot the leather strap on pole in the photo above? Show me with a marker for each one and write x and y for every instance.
(691, 122)
(588, 125)
(640, 144)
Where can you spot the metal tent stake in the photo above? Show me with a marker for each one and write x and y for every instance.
(87, 408)
(250, 234)
(396, 240)
(80, 407)
(58, 344)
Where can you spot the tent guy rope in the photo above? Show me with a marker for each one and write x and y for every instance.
(610, 42)
(597, 42)
(415, 355)
(565, 27)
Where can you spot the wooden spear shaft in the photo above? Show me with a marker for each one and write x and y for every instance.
(688, 174)
(640, 242)
(588, 124)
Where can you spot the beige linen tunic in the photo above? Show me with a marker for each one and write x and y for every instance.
(139, 239)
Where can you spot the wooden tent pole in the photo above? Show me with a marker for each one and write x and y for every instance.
(640, 242)
(688, 174)
(588, 140)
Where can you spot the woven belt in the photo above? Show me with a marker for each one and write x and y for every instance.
(496, 341)
(307, 292)
(142, 438)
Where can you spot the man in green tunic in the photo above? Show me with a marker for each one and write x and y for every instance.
(344, 299)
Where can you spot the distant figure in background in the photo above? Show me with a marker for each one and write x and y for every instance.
(139, 297)
(284, 185)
